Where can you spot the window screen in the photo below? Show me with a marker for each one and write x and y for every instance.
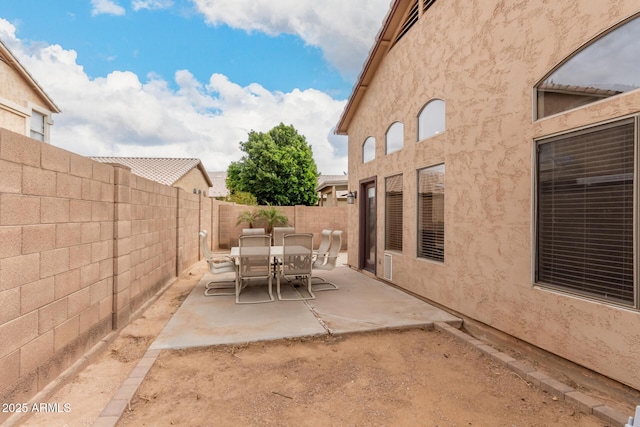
(585, 202)
(431, 213)
(393, 213)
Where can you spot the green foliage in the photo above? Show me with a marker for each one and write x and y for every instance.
(272, 217)
(250, 217)
(242, 198)
(278, 168)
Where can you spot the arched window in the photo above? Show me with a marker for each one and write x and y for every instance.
(607, 66)
(369, 149)
(394, 138)
(431, 120)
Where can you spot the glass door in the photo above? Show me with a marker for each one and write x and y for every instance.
(368, 226)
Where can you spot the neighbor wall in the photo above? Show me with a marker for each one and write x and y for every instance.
(305, 219)
(83, 245)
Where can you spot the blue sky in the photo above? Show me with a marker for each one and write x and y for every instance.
(190, 78)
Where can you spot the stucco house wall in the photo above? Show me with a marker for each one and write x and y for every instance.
(194, 179)
(20, 95)
(483, 59)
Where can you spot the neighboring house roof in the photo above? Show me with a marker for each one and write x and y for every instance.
(325, 181)
(7, 56)
(218, 184)
(399, 18)
(163, 170)
(578, 90)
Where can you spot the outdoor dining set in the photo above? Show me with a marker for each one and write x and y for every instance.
(261, 258)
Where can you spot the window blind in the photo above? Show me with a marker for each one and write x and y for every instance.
(431, 213)
(585, 201)
(393, 213)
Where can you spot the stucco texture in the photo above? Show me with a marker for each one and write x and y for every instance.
(483, 59)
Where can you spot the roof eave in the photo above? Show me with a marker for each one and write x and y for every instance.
(29, 78)
(377, 52)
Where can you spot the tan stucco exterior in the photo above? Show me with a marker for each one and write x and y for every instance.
(20, 95)
(194, 179)
(483, 59)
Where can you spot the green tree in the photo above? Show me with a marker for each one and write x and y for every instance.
(242, 198)
(278, 168)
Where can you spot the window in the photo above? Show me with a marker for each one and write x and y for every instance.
(431, 213)
(431, 120)
(606, 67)
(393, 213)
(37, 125)
(585, 203)
(394, 138)
(369, 149)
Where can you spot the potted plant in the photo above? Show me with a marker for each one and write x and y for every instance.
(272, 217)
(249, 217)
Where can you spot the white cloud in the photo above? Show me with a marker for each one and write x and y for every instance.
(343, 29)
(108, 7)
(151, 4)
(120, 115)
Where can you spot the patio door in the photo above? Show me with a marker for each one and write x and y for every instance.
(368, 225)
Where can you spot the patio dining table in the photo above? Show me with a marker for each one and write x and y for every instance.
(276, 252)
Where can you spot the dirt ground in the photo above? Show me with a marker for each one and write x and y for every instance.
(392, 378)
(401, 378)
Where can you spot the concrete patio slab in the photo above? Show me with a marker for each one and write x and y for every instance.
(361, 304)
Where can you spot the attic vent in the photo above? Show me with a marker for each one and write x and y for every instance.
(411, 18)
(412, 15)
(387, 273)
(427, 4)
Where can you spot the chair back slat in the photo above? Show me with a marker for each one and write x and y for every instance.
(255, 256)
(325, 243)
(204, 247)
(279, 232)
(297, 254)
(246, 231)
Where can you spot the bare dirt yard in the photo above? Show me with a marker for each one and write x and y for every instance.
(399, 378)
(388, 378)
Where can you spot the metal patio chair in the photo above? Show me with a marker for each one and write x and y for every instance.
(249, 231)
(254, 262)
(327, 263)
(279, 232)
(297, 254)
(325, 243)
(223, 269)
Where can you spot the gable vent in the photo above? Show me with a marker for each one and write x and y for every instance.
(412, 17)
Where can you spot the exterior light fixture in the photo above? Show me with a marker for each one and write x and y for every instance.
(351, 197)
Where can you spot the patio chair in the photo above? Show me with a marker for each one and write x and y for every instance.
(634, 421)
(325, 242)
(248, 231)
(279, 232)
(254, 262)
(223, 268)
(327, 263)
(297, 253)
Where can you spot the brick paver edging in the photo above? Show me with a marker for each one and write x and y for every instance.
(581, 401)
(121, 400)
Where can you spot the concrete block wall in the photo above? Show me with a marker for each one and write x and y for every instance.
(83, 245)
(188, 228)
(306, 219)
(56, 261)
